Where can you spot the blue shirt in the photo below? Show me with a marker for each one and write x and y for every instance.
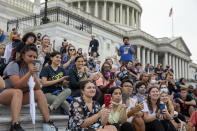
(126, 54)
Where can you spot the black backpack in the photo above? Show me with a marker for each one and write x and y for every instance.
(2, 66)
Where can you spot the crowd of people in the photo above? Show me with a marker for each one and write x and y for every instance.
(116, 95)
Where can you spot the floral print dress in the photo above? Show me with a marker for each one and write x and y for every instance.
(79, 112)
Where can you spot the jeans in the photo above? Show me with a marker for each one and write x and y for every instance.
(59, 100)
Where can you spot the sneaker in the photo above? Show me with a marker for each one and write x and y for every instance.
(52, 125)
(16, 127)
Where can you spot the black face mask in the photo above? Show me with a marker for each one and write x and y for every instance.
(38, 37)
(190, 91)
(16, 40)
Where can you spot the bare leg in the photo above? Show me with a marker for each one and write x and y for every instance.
(12, 97)
(191, 110)
(138, 124)
(108, 128)
(41, 101)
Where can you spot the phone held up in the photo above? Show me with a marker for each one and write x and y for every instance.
(107, 100)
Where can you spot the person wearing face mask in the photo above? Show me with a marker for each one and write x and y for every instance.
(168, 112)
(126, 51)
(140, 92)
(118, 111)
(134, 113)
(106, 80)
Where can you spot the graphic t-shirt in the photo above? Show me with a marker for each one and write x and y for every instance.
(126, 54)
(51, 74)
(184, 107)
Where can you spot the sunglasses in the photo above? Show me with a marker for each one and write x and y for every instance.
(71, 49)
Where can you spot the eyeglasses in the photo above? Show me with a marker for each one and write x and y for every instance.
(91, 87)
(127, 86)
(71, 49)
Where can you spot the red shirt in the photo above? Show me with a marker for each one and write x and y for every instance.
(193, 119)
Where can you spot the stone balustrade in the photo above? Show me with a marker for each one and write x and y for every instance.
(22, 4)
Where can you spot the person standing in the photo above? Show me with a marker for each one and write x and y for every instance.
(126, 51)
(94, 46)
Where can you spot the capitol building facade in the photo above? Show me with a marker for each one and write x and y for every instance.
(109, 20)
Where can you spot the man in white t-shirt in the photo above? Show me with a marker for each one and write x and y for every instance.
(134, 113)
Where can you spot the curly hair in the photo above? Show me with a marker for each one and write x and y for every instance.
(26, 48)
(27, 35)
(150, 107)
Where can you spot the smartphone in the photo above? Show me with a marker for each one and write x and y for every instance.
(37, 64)
(162, 106)
(140, 100)
(112, 75)
(107, 100)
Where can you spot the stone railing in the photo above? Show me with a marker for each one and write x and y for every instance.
(143, 34)
(56, 14)
(22, 4)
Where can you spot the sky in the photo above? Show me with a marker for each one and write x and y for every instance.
(155, 20)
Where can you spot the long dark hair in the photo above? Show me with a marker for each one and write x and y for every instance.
(150, 107)
(26, 48)
(102, 68)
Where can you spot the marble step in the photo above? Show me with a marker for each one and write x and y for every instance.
(61, 121)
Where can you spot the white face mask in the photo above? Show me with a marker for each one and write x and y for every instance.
(115, 103)
(153, 81)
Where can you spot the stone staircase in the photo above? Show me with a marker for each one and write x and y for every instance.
(61, 121)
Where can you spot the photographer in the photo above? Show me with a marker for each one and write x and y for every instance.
(169, 72)
(124, 74)
(92, 62)
(159, 71)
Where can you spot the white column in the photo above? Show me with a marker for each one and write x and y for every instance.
(138, 53)
(170, 60)
(148, 56)
(113, 12)
(139, 24)
(104, 10)
(127, 15)
(143, 58)
(79, 5)
(87, 7)
(96, 9)
(177, 68)
(173, 66)
(165, 60)
(117, 15)
(136, 15)
(186, 70)
(183, 67)
(152, 58)
(121, 14)
(133, 18)
(156, 58)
